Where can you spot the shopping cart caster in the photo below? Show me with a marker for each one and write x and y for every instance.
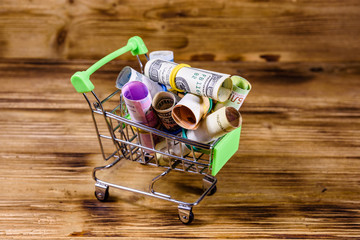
(207, 182)
(212, 191)
(186, 215)
(101, 192)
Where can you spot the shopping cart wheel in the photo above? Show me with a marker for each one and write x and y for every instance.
(186, 215)
(101, 192)
(102, 198)
(212, 191)
(187, 220)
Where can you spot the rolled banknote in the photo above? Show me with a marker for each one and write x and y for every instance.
(163, 104)
(241, 88)
(146, 139)
(181, 77)
(127, 74)
(188, 112)
(163, 55)
(216, 125)
(172, 147)
(138, 102)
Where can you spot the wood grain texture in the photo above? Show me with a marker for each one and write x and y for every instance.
(295, 176)
(231, 30)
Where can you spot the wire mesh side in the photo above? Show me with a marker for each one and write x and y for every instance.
(137, 142)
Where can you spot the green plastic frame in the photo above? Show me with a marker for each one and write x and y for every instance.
(224, 150)
(81, 80)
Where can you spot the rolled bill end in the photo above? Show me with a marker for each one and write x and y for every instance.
(184, 117)
(234, 118)
(241, 89)
(138, 102)
(163, 55)
(127, 74)
(216, 125)
(225, 90)
(190, 110)
(241, 82)
(135, 91)
(123, 77)
(163, 104)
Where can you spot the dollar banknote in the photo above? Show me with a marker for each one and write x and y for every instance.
(217, 86)
(163, 104)
(190, 110)
(216, 125)
(241, 89)
(128, 74)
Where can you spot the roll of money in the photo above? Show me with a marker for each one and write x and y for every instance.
(188, 112)
(145, 138)
(163, 104)
(216, 125)
(210, 84)
(163, 55)
(128, 74)
(241, 88)
(172, 147)
(138, 102)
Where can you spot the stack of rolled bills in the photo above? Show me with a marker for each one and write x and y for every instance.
(204, 103)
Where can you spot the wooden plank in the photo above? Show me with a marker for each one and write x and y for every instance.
(223, 30)
(295, 176)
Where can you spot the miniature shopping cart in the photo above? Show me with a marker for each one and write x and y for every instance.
(124, 136)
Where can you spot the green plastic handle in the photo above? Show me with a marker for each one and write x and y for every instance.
(81, 80)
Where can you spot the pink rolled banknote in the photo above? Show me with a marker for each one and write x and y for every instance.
(138, 102)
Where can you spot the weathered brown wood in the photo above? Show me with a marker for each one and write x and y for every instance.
(295, 176)
(248, 30)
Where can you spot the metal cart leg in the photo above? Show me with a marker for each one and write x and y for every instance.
(102, 189)
(209, 183)
(151, 187)
(186, 215)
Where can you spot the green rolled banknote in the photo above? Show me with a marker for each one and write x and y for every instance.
(241, 88)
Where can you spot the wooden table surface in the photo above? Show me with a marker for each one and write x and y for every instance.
(296, 174)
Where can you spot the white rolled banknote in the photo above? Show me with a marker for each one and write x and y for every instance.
(163, 55)
(188, 112)
(138, 102)
(241, 88)
(174, 147)
(181, 77)
(216, 125)
(128, 74)
(163, 104)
